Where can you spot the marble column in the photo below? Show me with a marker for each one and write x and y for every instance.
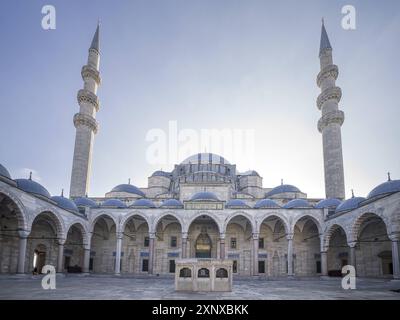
(118, 254)
(324, 264)
(23, 239)
(353, 261)
(86, 259)
(395, 257)
(184, 245)
(152, 237)
(289, 238)
(255, 254)
(222, 246)
(60, 259)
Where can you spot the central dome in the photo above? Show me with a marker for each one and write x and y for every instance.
(205, 158)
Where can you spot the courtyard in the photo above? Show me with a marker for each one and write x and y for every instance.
(158, 288)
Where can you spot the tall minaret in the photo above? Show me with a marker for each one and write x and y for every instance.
(331, 121)
(85, 122)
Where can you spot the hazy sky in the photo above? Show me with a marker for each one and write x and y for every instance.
(206, 64)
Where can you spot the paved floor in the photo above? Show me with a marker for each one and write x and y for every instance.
(108, 287)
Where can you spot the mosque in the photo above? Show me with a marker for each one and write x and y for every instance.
(203, 208)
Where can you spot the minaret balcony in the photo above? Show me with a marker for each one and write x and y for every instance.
(336, 116)
(90, 72)
(88, 97)
(331, 71)
(81, 119)
(333, 93)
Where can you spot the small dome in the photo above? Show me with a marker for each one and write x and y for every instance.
(328, 203)
(349, 204)
(172, 203)
(204, 196)
(385, 188)
(297, 203)
(161, 174)
(113, 203)
(266, 203)
(128, 188)
(283, 188)
(143, 203)
(85, 202)
(236, 203)
(65, 203)
(31, 186)
(4, 172)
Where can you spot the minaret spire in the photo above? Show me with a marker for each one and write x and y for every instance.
(85, 120)
(331, 120)
(325, 43)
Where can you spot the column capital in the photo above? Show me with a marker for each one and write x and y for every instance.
(119, 235)
(222, 236)
(289, 236)
(61, 241)
(184, 235)
(24, 233)
(256, 236)
(394, 237)
(352, 244)
(152, 235)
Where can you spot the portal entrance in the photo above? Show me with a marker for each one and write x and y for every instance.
(203, 245)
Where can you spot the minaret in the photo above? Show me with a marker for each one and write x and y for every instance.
(85, 122)
(331, 121)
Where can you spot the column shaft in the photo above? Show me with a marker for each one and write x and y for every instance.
(396, 259)
(86, 260)
(255, 256)
(222, 249)
(151, 254)
(353, 257)
(22, 254)
(290, 257)
(118, 255)
(60, 259)
(324, 264)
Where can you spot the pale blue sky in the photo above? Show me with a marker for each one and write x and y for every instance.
(206, 64)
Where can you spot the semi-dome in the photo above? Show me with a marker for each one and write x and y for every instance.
(297, 203)
(143, 203)
(31, 186)
(266, 203)
(113, 203)
(65, 203)
(328, 203)
(85, 202)
(236, 203)
(205, 158)
(171, 203)
(128, 188)
(385, 188)
(283, 188)
(161, 173)
(4, 172)
(204, 196)
(349, 204)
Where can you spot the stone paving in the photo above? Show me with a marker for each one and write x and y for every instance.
(118, 288)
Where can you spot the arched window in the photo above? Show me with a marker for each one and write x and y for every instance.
(222, 273)
(203, 273)
(185, 273)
